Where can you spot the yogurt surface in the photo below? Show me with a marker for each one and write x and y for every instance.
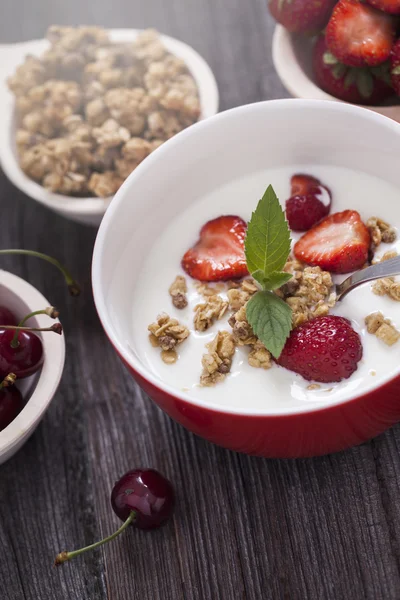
(275, 390)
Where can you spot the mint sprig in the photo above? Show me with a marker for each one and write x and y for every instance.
(267, 247)
(271, 320)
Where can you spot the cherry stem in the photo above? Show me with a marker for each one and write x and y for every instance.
(57, 328)
(49, 311)
(64, 556)
(73, 286)
(7, 381)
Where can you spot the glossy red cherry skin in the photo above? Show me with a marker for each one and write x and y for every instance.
(7, 317)
(24, 360)
(146, 492)
(11, 404)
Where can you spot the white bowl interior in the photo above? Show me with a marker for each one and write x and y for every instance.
(231, 145)
(84, 210)
(39, 389)
(291, 55)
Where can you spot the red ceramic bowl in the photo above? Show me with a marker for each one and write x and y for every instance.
(200, 159)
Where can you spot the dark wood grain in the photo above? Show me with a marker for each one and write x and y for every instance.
(245, 528)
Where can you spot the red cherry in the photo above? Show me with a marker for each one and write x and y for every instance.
(23, 360)
(143, 498)
(146, 492)
(11, 404)
(7, 317)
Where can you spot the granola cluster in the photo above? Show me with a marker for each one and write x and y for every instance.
(206, 313)
(309, 293)
(382, 328)
(177, 291)
(380, 231)
(238, 296)
(217, 360)
(387, 286)
(90, 110)
(167, 333)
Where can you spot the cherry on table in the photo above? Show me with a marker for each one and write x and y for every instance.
(147, 493)
(142, 498)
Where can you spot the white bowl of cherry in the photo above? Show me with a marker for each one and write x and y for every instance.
(37, 358)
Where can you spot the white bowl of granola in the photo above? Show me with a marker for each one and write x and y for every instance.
(202, 364)
(70, 144)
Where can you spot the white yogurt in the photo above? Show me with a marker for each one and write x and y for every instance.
(277, 389)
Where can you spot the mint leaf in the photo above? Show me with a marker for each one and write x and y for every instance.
(273, 281)
(267, 243)
(258, 276)
(276, 280)
(271, 320)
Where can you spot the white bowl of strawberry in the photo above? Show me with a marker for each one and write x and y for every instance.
(344, 50)
(225, 312)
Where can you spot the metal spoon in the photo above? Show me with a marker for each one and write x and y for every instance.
(387, 268)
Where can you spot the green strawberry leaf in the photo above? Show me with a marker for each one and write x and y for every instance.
(267, 243)
(339, 70)
(350, 78)
(329, 59)
(365, 83)
(382, 72)
(271, 320)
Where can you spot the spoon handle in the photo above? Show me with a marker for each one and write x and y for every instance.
(387, 268)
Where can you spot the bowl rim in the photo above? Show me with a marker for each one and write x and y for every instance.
(90, 206)
(289, 70)
(100, 247)
(50, 374)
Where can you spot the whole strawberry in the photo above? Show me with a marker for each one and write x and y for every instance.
(389, 6)
(325, 349)
(395, 67)
(359, 35)
(351, 84)
(301, 16)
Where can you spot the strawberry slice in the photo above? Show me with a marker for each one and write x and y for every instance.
(388, 6)
(359, 35)
(219, 253)
(338, 244)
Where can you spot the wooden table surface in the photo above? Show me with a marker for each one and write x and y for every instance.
(244, 528)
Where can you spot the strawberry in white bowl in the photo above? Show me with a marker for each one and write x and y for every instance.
(351, 56)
